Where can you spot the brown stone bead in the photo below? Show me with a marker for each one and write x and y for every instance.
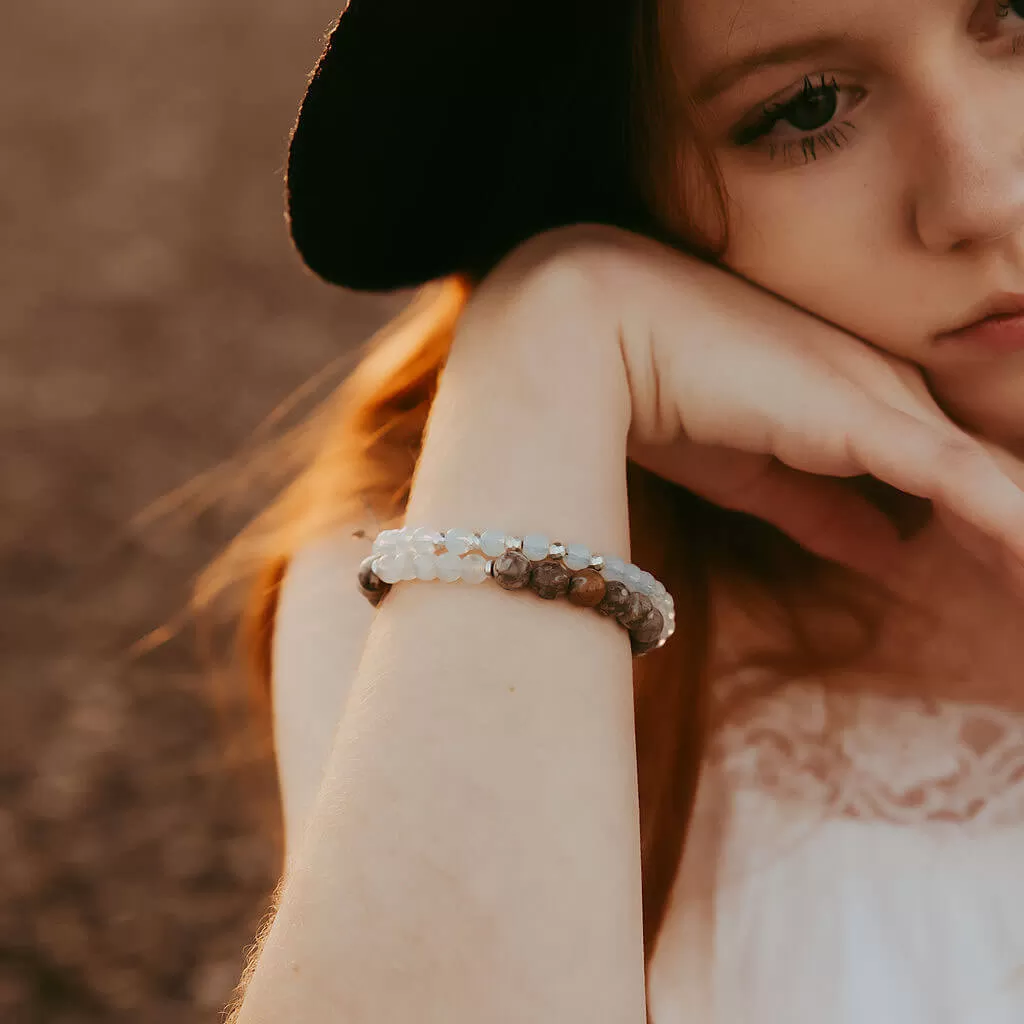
(650, 628)
(587, 588)
(372, 586)
(550, 579)
(616, 596)
(511, 570)
(639, 647)
(637, 608)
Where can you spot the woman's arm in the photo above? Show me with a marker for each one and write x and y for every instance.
(474, 850)
(320, 627)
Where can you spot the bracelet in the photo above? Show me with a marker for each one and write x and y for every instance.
(610, 586)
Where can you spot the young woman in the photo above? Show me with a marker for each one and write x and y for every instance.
(702, 280)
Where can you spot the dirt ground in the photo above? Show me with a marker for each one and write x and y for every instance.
(152, 313)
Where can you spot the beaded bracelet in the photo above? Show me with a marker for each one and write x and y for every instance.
(610, 586)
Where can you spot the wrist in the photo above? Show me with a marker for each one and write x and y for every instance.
(529, 425)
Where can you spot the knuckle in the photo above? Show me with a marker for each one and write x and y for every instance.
(960, 456)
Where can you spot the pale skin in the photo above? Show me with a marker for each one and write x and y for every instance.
(903, 212)
(439, 876)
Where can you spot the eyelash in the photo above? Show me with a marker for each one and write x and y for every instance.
(831, 138)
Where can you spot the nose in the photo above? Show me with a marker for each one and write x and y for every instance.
(971, 163)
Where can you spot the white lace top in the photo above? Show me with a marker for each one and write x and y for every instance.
(853, 859)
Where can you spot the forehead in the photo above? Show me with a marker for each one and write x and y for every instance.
(705, 34)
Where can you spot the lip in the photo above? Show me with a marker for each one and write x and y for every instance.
(997, 325)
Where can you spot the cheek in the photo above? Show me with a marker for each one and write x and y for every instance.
(828, 243)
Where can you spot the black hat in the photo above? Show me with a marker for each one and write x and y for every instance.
(435, 135)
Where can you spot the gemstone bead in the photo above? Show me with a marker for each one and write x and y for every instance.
(535, 546)
(550, 579)
(369, 581)
(577, 557)
(386, 542)
(449, 567)
(646, 584)
(459, 541)
(637, 608)
(640, 647)
(556, 550)
(632, 576)
(614, 568)
(615, 599)
(474, 569)
(665, 607)
(512, 570)
(424, 541)
(492, 542)
(425, 566)
(587, 588)
(651, 627)
(390, 567)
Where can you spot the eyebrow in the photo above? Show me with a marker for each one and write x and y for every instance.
(716, 81)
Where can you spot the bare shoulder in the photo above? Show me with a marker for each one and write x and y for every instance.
(320, 629)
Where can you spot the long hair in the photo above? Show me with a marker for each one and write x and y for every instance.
(356, 458)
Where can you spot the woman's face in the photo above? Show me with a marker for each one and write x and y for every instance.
(874, 159)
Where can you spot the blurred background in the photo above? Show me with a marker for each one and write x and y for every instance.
(152, 314)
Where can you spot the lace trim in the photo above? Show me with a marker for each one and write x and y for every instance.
(862, 755)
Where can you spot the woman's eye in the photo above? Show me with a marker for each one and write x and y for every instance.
(993, 18)
(1015, 7)
(810, 119)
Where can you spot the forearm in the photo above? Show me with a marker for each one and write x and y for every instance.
(474, 852)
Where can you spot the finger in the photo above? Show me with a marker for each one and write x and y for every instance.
(823, 515)
(984, 549)
(946, 466)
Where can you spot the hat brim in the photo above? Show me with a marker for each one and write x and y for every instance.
(434, 137)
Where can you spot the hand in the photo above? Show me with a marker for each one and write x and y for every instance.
(762, 407)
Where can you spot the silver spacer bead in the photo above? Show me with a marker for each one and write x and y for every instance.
(556, 549)
(513, 543)
(597, 562)
(489, 567)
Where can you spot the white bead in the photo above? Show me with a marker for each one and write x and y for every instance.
(577, 556)
(449, 567)
(535, 546)
(614, 569)
(659, 589)
(459, 541)
(410, 568)
(646, 584)
(424, 540)
(386, 542)
(390, 568)
(474, 569)
(632, 576)
(492, 542)
(425, 566)
(405, 542)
